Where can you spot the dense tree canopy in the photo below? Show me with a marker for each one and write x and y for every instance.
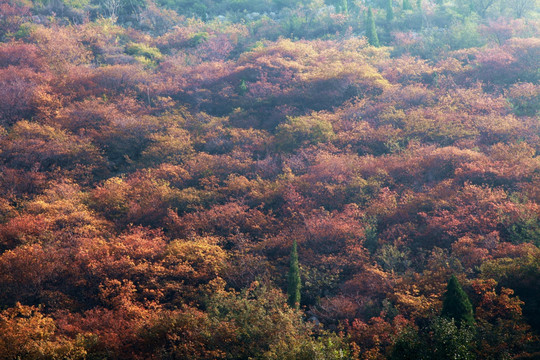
(158, 159)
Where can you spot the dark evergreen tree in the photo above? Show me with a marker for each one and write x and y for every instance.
(390, 10)
(371, 30)
(449, 341)
(407, 5)
(293, 289)
(408, 346)
(442, 339)
(456, 304)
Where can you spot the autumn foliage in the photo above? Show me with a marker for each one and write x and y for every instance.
(158, 161)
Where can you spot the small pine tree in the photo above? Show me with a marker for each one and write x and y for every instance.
(371, 242)
(407, 5)
(389, 10)
(371, 30)
(242, 88)
(456, 304)
(293, 289)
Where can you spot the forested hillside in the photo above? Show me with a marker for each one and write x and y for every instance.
(269, 179)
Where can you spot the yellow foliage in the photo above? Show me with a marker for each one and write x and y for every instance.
(202, 255)
(25, 333)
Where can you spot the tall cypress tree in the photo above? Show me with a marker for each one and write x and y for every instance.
(371, 30)
(407, 5)
(344, 7)
(293, 289)
(456, 304)
(389, 10)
